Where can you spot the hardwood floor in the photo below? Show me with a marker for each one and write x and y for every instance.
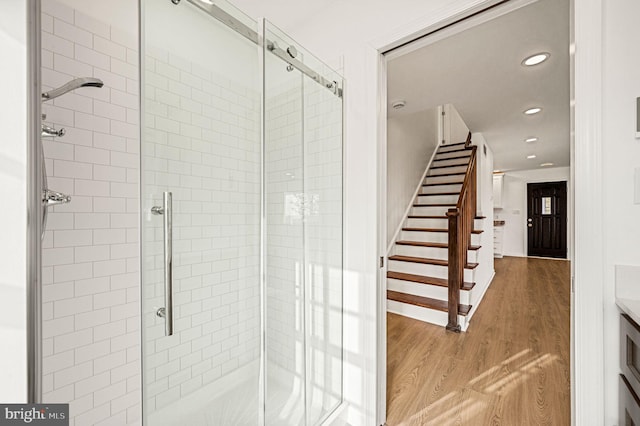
(512, 366)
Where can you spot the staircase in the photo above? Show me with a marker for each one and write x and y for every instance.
(418, 269)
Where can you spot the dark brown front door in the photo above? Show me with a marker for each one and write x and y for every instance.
(547, 219)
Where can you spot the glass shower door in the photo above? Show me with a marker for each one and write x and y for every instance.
(200, 196)
(303, 231)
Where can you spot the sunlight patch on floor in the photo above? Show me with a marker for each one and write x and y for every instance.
(522, 368)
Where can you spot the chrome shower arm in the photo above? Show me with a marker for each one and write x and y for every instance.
(72, 85)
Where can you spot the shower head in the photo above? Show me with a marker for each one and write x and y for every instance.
(72, 85)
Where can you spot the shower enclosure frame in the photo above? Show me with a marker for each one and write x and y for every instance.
(335, 87)
(34, 206)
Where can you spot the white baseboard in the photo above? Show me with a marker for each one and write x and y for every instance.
(475, 305)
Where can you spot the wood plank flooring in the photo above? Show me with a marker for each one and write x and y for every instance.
(512, 366)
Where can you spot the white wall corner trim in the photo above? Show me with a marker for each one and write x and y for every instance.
(588, 266)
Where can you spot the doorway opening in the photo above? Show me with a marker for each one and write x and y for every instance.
(502, 76)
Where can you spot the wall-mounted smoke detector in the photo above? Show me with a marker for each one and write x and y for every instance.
(398, 104)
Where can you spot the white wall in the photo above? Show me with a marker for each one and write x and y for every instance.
(514, 201)
(621, 156)
(485, 271)
(411, 140)
(13, 221)
(455, 129)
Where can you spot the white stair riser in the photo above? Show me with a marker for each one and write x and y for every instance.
(429, 211)
(425, 290)
(443, 154)
(447, 170)
(417, 289)
(437, 199)
(438, 223)
(441, 188)
(427, 223)
(433, 237)
(423, 314)
(418, 251)
(438, 179)
(451, 162)
(430, 252)
(435, 271)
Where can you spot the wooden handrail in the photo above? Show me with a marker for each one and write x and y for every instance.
(460, 221)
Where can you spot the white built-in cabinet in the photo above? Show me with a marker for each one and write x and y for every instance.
(498, 185)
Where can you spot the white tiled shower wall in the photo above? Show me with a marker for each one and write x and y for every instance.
(202, 143)
(90, 259)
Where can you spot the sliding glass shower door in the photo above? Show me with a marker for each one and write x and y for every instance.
(241, 210)
(201, 147)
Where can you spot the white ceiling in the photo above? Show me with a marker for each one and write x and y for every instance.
(479, 71)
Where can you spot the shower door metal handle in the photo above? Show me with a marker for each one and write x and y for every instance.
(166, 312)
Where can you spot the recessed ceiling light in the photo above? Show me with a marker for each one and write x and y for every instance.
(536, 59)
(531, 139)
(532, 156)
(398, 104)
(532, 111)
(546, 164)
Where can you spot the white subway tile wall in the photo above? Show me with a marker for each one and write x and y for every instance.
(202, 143)
(91, 257)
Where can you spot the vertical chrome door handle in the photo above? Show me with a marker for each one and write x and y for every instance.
(166, 312)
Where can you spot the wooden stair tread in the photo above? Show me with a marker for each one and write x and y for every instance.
(452, 144)
(454, 150)
(475, 231)
(425, 302)
(423, 279)
(442, 183)
(439, 193)
(415, 216)
(427, 261)
(430, 244)
(433, 205)
(447, 174)
(450, 158)
(450, 165)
